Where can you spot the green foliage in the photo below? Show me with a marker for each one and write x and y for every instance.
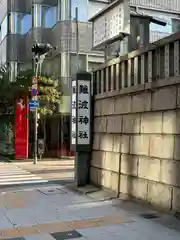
(48, 91)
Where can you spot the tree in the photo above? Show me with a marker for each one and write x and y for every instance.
(48, 91)
(48, 94)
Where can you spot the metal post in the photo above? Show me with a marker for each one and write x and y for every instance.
(77, 39)
(77, 62)
(35, 122)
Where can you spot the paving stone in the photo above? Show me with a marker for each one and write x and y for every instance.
(40, 237)
(21, 238)
(4, 222)
(21, 217)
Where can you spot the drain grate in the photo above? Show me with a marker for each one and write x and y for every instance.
(149, 215)
(52, 191)
(66, 235)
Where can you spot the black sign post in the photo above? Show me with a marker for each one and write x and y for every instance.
(81, 123)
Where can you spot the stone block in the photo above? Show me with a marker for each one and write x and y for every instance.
(104, 178)
(121, 143)
(114, 124)
(107, 106)
(178, 96)
(106, 142)
(124, 184)
(169, 122)
(97, 159)
(170, 172)
(97, 108)
(129, 164)
(176, 199)
(149, 168)
(162, 146)
(96, 142)
(125, 144)
(151, 122)
(133, 187)
(122, 105)
(131, 123)
(141, 102)
(100, 124)
(139, 188)
(112, 161)
(177, 148)
(94, 175)
(164, 98)
(114, 181)
(117, 143)
(160, 195)
(139, 144)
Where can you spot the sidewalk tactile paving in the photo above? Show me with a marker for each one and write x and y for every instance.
(9, 233)
(28, 230)
(53, 227)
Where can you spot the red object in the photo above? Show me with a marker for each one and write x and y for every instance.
(21, 129)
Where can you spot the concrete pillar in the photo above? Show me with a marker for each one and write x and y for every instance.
(15, 23)
(43, 17)
(166, 61)
(65, 9)
(65, 83)
(13, 71)
(176, 58)
(37, 15)
(65, 108)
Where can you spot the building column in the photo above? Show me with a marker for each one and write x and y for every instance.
(13, 71)
(36, 21)
(65, 12)
(87, 63)
(36, 15)
(65, 106)
(15, 23)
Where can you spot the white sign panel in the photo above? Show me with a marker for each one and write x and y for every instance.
(111, 23)
(84, 112)
(73, 122)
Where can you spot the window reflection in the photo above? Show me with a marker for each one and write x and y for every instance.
(26, 23)
(50, 16)
(82, 9)
(157, 28)
(3, 29)
(20, 23)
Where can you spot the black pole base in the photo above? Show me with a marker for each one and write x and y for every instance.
(82, 168)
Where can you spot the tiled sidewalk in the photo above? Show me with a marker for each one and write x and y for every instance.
(48, 213)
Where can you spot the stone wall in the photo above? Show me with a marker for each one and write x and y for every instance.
(136, 145)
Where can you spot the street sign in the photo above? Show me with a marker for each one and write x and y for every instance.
(33, 104)
(111, 24)
(34, 92)
(34, 80)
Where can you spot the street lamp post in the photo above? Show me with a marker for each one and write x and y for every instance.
(39, 50)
